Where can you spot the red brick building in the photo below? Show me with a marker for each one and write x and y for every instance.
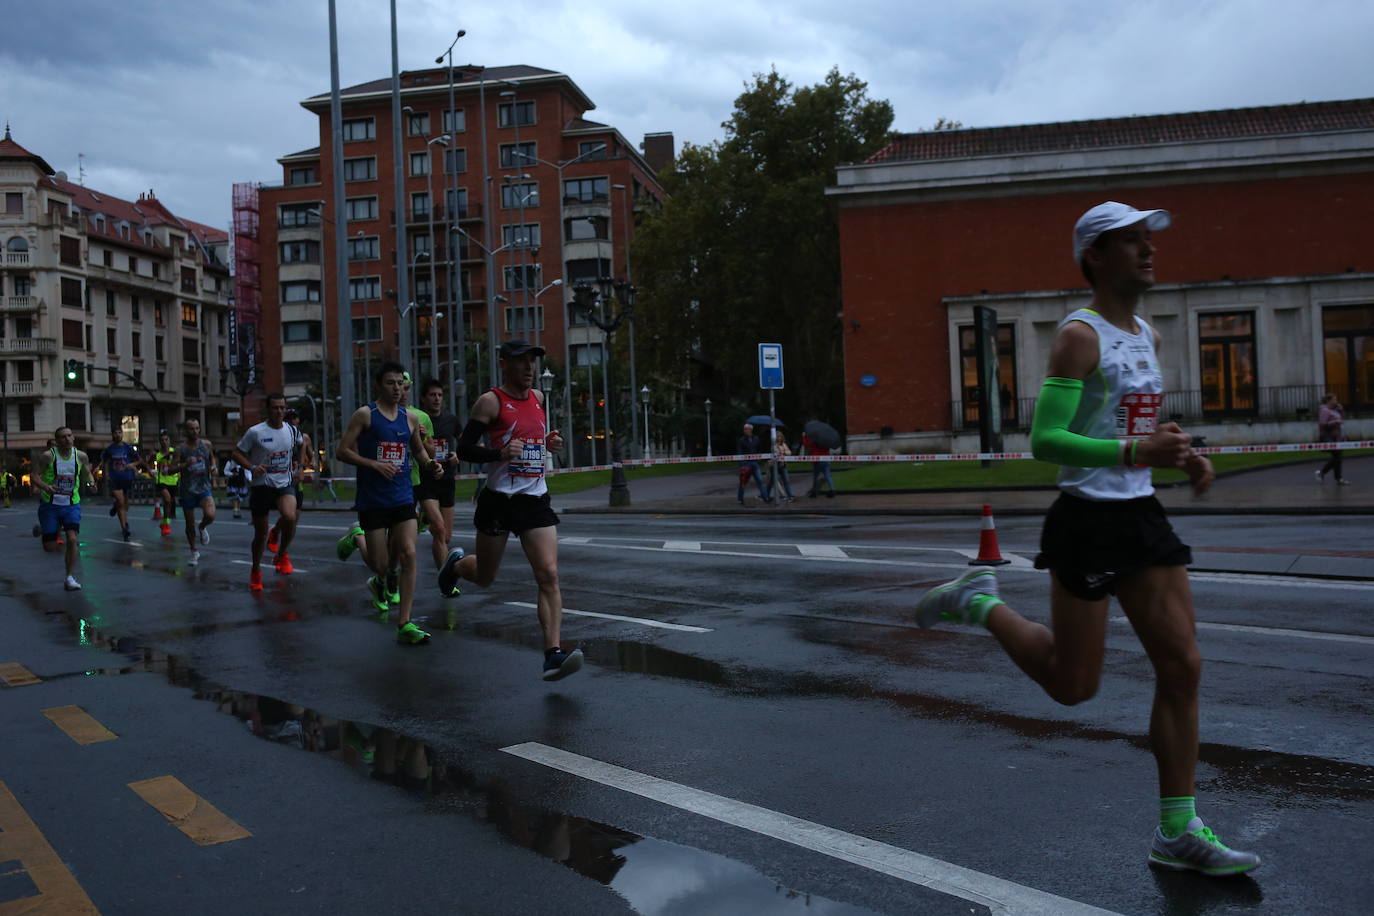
(1266, 292)
(558, 206)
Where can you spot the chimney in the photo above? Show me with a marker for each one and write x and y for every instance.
(658, 150)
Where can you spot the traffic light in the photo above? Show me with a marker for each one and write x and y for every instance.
(74, 370)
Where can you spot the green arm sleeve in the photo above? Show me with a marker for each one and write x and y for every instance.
(1050, 437)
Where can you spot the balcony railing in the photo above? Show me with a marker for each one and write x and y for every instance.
(28, 346)
(20, 389)
(20, 303)
(1277, 403)
(16, 259)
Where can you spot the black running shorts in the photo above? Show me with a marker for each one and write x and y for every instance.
(372, 519)
(1089, 545)
(264, 499)
(441, 489)
(502, 513)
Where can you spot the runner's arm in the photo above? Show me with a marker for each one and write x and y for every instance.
(347, 452)
(36, 474)
(419, 448)
(483, 412)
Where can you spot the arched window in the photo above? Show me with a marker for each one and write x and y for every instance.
(17, 244)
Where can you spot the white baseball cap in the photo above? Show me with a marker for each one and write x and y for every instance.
(1112, 215)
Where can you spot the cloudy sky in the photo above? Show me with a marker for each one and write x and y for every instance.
(189, 98)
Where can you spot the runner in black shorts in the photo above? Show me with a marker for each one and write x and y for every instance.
(1097, 417)
(436, 496)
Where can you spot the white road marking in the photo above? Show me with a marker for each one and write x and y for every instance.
(1277, 631)
(829, 551)
(1279, 581)
(642, 620)
(999, 895)
(574, 540)
(682, 545)
(122, 541)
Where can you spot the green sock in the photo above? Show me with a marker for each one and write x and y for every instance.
(1175, 813)
(979, 608)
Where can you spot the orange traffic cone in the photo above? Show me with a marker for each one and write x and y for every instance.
(157, 511)
(988, 553)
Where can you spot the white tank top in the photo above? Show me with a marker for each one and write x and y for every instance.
(1121, 400)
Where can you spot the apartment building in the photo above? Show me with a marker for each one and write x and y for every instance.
(557, 204)
(112, 313)
(1265, 297)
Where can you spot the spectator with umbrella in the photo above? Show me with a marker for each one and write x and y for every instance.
(818, 438)
(749, 444)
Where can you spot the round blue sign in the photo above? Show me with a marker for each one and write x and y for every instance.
(868, 381)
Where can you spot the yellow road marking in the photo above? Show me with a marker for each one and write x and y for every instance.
(79, 725)
(16, 675)
(20, 838)
(188, 812)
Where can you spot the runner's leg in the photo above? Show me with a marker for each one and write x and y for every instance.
(481, 565)
(541, 549)
(287, 516)
(259, 540)
(1159, 603)
(207, 512)
(438, 534)
(192, 541)
(1065, 661)
(401, 549)
(73, 535)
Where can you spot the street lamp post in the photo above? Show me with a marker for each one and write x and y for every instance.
(546, 386)
(629, 279)
(442, 141)
(457, 403)
(593, 302)
(708, 428)
(644, 399)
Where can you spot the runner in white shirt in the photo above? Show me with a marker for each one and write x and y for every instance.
(269, 450)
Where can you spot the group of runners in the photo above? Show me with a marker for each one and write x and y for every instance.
(1097, 417)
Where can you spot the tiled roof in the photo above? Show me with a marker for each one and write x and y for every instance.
(1138, 130)
(146, 212)
(438, 76)
(584, 124)
(13, 151)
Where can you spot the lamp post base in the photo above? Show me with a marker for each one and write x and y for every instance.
(620, 489)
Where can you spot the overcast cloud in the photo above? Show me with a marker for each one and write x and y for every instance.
(188, 99)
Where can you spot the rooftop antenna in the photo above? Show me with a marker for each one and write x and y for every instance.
(81, 169)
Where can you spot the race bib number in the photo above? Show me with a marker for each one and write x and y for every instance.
(530, 463)
(1138, 415)
(392, 453)
(64, 485)
(196, 466)
(441, 452)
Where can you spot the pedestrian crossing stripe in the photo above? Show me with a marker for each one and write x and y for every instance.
(205, 824)
(16, 675)
(21, 841)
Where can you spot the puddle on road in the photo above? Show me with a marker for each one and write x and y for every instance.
(655, 876)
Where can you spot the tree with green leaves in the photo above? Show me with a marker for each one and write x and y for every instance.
(746, 248)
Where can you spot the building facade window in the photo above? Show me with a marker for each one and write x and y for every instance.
(305, 174)
(300, 291)
(69, 250)
(365, 288)
(591, 149)
(134, 310)
(159, 352)
(419, 163)
(516, 155)
(188, 315)
(367, 248)
(110, 309)
(518, 277)
(74, 416)
(359, 208)
(136, 345)
(111, 341)
(524, 319)
(972, 392)
(520, 194)
(586, 190)
(455, 161)
(190, 385)
(1348, 345)
(515, 114)
(72, 334)
(188, 279)
(71, 292)
(26, 418)
(361, 169)
(359, 129)
(190, 351)
(579, 229)
(300, 332)
(14, 203)
(23, 286)
(419, 205)
(305, 251)
(419, 244)
(369, 329)
(520, 235)
(417, 124)
(1226, 361)
(294, 216)
(455, 121)
(457, 199)
(298, 373)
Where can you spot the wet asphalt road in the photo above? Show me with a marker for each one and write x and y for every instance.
(794, 683)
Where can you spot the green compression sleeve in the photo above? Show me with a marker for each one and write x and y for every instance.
(1050, 437)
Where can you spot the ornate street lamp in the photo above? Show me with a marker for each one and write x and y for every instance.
(644, 399)
(708, 427)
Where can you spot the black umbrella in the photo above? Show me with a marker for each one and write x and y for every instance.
(823, 434)
(763, 419)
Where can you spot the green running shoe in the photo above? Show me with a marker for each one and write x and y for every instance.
(1198, 849)
(346, 544)
(951, 600)
(393, 586)
(408, 634)
(377, 592)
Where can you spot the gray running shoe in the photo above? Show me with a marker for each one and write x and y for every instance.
(1198, 849)
(951, 600)
(560, 664)
(448, 574)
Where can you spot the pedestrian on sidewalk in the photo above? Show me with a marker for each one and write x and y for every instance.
(1107, 534)
(1331, 428)
(820, 470)
(749, 444)
(777, 467)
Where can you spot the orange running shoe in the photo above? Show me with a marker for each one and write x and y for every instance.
(255, 581)
(166, 530)
(272, 539)
(283, 565)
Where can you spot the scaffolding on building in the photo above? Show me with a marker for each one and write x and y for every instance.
(246, 316)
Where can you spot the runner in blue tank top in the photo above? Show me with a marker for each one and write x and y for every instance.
(381, 440)
(1106, 535)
